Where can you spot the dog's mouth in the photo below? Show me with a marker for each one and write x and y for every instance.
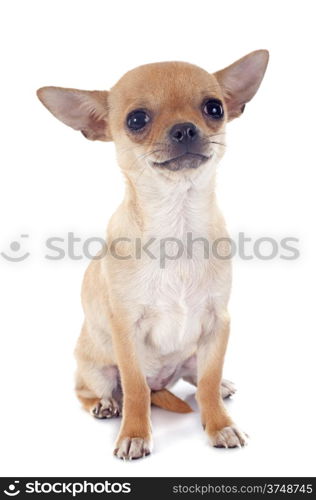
(186, 160)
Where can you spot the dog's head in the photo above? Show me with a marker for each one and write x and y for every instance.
(164, 116)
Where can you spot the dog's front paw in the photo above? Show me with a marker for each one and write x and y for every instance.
(228, 437)
(106, 408)
(131, 448)
(227, 388)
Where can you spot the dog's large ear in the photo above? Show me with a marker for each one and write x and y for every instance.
(241, 80)
(80, 109)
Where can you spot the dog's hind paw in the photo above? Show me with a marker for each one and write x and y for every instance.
(106, 408)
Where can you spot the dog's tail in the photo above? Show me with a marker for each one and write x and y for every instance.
(168, 401)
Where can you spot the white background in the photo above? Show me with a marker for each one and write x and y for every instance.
(54, 181)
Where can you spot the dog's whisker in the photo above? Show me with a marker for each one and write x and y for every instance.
(144, 157)
(141, 172)
(215, 142)
(129, 148)
(141, 157)
(219, 143)
(215, 135)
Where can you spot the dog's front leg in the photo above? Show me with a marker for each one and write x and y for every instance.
(218, 425)
(134, 439)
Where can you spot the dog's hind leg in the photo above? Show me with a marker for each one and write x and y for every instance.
(97, 377)
(99, 391)
(189, 374)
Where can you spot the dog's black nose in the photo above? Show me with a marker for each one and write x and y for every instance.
(183, 132)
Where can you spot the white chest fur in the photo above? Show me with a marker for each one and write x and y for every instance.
(175, 287)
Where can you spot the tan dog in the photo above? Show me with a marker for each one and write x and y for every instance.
(158, 315)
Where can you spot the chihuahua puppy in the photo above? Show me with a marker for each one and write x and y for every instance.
(154, 317)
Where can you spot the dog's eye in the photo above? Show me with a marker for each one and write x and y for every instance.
(138, 119)
(214, 109)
